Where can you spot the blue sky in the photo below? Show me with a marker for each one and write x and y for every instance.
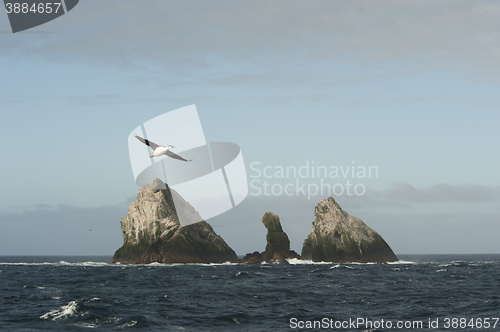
(409, 87)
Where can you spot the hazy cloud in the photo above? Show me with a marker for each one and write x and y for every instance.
(403, 194)
(61, 230)
(447, 231)
(197, 35)
(442, 193)
(69, 230)
(437, 233)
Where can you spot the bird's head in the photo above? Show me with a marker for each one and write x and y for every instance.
(170, 146)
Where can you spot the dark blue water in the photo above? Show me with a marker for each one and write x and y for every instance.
(86, 293)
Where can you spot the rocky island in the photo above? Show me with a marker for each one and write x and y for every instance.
(152, 232)
(278, 244)
(339, 237)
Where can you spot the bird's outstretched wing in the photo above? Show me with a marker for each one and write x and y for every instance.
(148, 142)
(175, 156)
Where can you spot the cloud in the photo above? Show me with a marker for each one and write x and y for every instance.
(438, 233)
(70, 230)
(409, 231)
(198, 36)
(403, 194)
(61, 230)
(442, 193)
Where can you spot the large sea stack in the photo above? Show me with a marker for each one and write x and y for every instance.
(152, 232)
(339, 237)
(278, 244)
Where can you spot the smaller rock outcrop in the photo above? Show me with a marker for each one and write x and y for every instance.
(278, 244)
(339, 237)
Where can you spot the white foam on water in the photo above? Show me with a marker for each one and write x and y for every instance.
(88, 325)
(64, 263)
(156, 264)
(129, 324)
(28, 264)
(63, 312)
(92, 264)
(292, 261)
(402, 262)
(296, 261)
(218, 264)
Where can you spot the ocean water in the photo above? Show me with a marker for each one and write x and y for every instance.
(418, 293)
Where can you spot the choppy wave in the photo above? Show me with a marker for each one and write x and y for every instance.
(69, 295)
(292, 261)
(297, 261)
(60, 263)
(401, 262)
(64, 312)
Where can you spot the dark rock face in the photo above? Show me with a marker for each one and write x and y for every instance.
(339, 237)
(152, 232)
(278, 244)
(253, 258)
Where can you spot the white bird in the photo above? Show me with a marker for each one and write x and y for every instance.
(159, 150)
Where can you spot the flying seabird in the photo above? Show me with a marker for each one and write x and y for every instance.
(158, 150)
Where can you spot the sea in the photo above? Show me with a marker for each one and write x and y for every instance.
(417, 293)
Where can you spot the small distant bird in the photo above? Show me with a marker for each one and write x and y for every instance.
(159, 150)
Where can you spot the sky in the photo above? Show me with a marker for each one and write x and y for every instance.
(410, 88)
